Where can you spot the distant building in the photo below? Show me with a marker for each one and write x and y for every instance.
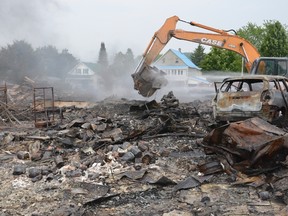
(83, 73)
(179, 69)
(83, 70)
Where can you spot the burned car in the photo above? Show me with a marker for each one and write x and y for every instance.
(239, 98)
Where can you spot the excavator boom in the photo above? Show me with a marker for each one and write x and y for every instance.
(148, 79)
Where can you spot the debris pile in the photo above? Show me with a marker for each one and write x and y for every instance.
(251, 146)
(124, 157)
(16, 104)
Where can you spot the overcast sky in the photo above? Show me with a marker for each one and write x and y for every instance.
(81, 25)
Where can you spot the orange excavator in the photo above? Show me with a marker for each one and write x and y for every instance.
(148, 79)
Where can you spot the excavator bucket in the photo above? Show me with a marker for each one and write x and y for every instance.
(148, 79)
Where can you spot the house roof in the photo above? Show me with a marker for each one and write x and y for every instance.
(92, 66)
(185, 59)
(163, 67)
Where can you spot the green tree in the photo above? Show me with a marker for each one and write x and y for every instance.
(252, 33)
(275, 41)
(47, 60)
(118, 64)
(225, 60)
(123, 64)
(52, 63)
(68, 61)
(198, 55)
(120, 70)
(129, 62)
(129, 59)
(104, 70)
(221, 60)
(20, 59)
(102, 58)
(270, 40)
(17, 61)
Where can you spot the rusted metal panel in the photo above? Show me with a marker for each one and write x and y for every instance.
(249, 144)
(244, 101)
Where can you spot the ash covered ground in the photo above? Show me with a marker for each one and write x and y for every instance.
(124, 157)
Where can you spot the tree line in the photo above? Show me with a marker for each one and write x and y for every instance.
(19, 59)
(118, 72)
(271, 40)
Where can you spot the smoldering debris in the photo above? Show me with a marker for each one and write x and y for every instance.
(127, 157)
(251, 146)
(14, 106)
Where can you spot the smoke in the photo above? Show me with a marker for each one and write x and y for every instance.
(97, 90)
(28, 20)
(37, 22)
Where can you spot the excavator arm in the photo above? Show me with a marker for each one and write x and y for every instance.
(148, 79)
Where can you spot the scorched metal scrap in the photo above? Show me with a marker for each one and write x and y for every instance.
(249, 146)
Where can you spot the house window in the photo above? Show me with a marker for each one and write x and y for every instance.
(85, 71)
(78, 71)
(177, 60)
(163, 60)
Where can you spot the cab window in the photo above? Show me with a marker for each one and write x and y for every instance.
(282, 67)
(266, 66)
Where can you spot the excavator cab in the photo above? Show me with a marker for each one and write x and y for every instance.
(270, 66)
(148, 79)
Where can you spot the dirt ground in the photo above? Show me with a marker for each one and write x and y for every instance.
(125, 157)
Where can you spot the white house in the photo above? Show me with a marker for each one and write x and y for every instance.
(83, 74)
(179, 68)
(82, 70)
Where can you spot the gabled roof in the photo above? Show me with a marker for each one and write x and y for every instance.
(177, 67)
(185, 59)
(93, 66)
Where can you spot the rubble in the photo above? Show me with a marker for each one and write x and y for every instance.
(251, 146)
(122, 157)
